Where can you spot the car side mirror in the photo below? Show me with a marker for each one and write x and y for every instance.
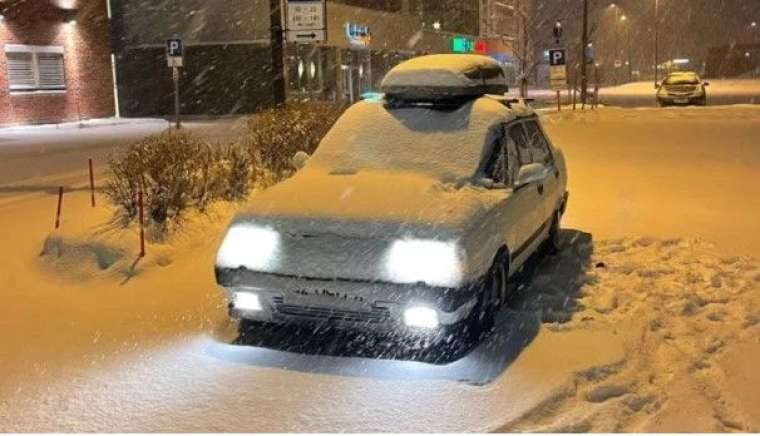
(657, 85)
(530, 173)
(706, 84)
(299, 160)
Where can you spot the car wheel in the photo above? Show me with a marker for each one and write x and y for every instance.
(493, 295)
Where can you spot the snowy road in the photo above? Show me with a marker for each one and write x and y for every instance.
(642, 94)
(652, 304)
(40, 158)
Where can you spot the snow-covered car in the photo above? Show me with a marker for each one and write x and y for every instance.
(682, 88)
(412, 214)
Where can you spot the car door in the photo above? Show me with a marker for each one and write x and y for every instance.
(527, 205)
(542, 153)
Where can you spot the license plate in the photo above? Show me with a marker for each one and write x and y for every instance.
(681, 100)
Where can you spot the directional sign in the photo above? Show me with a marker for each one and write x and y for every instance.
(306, 21)
(175, 52)
(558, 68)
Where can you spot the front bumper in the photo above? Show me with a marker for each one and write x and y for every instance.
(356, 305)
(681, 99)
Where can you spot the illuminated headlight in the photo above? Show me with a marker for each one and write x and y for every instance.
(248, 246)
(247, 301)
(421, 317)
(435, 263)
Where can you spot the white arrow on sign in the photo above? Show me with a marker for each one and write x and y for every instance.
(306, 36)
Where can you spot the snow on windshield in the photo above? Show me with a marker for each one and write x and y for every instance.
(446, 144)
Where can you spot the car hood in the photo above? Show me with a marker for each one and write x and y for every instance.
(368, 204)
(344, 226)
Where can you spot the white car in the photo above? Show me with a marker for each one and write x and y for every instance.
(414, 211)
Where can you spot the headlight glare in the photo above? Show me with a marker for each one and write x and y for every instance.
(435, 263)
(421, 317)
(252, 247)
(247, 301)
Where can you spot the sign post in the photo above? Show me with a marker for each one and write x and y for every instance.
(175, 58)
(558, 72)
(307, 21)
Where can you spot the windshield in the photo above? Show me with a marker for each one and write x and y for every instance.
(442, 143)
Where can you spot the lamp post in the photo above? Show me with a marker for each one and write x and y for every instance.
(656, 40)
(616, 50)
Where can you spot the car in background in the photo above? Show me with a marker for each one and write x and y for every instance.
(411, 216)
(682, 88)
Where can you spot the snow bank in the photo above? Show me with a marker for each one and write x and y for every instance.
(676, 304)
(98, 245)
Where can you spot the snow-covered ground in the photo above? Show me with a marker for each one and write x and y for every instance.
(649, 319)
(642, 94)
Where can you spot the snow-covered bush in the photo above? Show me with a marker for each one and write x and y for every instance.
(176, 171)
(275, 135)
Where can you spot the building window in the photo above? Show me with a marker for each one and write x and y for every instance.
(35, 68)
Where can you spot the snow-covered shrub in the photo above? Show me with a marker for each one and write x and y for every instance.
(176, 171)
(275, 135)
(170, 170)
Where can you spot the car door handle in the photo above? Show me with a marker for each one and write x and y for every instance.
(540, 189)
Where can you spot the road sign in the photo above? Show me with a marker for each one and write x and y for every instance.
(558, 68)
(175, 52)
(306, 21)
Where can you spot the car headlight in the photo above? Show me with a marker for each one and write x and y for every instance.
(249, 246)
(247, 301)
(436, 263)
(421, 317)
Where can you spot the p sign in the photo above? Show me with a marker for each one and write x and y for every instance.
(174, 52)
(557, 57)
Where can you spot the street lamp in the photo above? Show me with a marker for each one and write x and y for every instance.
(656, 40)
(618, 19)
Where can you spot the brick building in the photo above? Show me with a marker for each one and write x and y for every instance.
(55, 61)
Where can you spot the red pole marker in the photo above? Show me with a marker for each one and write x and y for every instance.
(142, 223)
(60, 205)
(92, 184)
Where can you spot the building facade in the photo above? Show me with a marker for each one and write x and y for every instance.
(228, 67)
(55, 63)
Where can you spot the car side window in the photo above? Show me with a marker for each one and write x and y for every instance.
(496, 169)
(539, 146)
(517, 135)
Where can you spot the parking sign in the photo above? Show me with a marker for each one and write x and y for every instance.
(558, 68)
(175, 52)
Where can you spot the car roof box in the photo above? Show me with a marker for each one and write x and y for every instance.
(437, 78)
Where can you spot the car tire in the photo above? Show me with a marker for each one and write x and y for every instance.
(494, 293)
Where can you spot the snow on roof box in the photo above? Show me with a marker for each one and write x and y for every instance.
(444, 77)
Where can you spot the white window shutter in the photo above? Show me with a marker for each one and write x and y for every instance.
(21, 71)
(51, 71)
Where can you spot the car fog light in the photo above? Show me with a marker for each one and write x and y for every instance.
(247, 301)
(421, 317)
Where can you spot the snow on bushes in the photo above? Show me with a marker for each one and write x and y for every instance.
(176, 171)
(274, 136)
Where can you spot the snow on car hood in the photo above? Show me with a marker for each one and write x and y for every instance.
(344, 226)
(368, 204)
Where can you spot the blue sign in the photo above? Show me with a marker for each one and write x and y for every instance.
(358, 34)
